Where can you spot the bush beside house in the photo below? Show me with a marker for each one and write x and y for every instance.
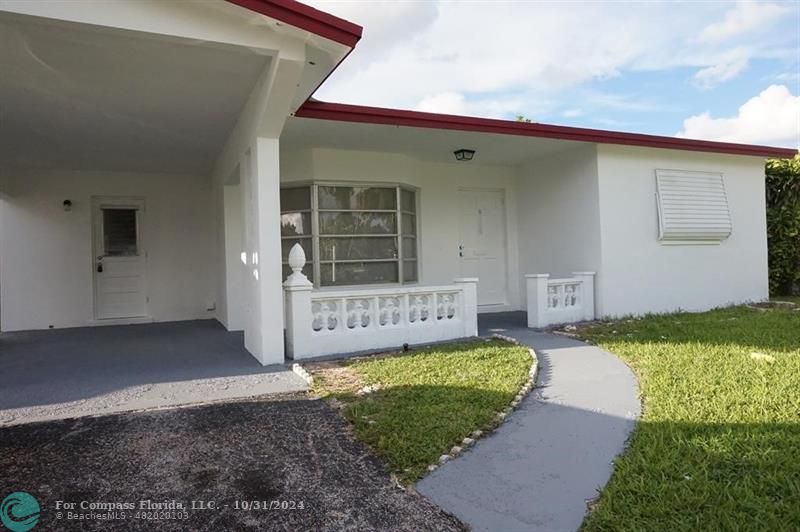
(783, 225)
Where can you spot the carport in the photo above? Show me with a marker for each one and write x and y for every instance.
(82, 371)
(139, 172)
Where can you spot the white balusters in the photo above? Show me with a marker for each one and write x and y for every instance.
(555, 301)
(344, 321)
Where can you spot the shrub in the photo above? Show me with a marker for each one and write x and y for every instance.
(783, 224)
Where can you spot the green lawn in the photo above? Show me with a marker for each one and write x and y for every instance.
(428, 401)
(718, 445)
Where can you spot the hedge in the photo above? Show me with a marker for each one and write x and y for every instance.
(783, 224)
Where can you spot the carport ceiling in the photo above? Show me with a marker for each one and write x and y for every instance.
(82, 97)
(422, 143)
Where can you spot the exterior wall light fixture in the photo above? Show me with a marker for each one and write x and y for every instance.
(464, 155)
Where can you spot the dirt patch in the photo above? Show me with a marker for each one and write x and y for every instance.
(293, 455)
(771, 305)
(335, 377)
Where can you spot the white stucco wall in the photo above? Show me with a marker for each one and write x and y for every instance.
(438, 185)
(639, 274)
(559, 214)
(46, 257)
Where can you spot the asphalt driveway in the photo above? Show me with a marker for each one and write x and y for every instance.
(64, 373)
(281, 464)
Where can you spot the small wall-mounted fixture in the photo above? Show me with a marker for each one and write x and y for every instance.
(67, 205)
(464, 155)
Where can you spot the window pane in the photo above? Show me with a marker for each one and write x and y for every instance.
(358, 273)
(305, 243)
(295, 199)
(296, 223)
(357, 223)
(410, 270)
(358, 248)
(407, 200)
(308, 271)
(409, 224)
(119, 233)
(357, 198)
(409, 248)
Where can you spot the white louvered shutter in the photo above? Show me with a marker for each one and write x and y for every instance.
(692, 207)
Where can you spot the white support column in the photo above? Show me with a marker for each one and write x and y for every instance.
(262, 293)
(266, 338)
(587, 293)
(537, 299)
(297, 289)
(470, 305)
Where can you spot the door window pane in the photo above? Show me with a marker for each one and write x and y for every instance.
(295, 199)
(358, 248)
(119, 233)
(360, 198)
(357, 223)
(358, 273)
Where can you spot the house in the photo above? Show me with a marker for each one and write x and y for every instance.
(159, 160)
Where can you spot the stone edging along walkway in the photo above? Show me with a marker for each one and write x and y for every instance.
(501, 416)
(471, 438)
(541, 468)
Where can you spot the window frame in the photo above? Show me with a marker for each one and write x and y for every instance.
(316, 260)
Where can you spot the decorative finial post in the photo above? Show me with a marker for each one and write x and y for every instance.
(297, 260)
(297, 306)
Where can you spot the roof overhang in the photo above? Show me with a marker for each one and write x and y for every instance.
(377, 115)
(306, 18)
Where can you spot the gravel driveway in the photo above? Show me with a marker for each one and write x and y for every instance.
(294, 456)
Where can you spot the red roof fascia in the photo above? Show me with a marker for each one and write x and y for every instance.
(377, 115)
(306, 18)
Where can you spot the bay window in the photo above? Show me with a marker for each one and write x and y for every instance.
(351, 234)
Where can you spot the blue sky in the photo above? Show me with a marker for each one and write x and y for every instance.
(715, 70)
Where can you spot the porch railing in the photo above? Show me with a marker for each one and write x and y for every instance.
(320, 323)
(558, 301)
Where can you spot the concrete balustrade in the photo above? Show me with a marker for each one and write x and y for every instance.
(328, 322)
(558, 301)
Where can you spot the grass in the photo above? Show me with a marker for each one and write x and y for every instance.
(427, 401)
(718, 445)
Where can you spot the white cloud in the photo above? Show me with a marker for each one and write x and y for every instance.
(572, 113)
(455, 103)
(712, 76)
(772, 117)
(447, 103)
(745, 17)
(508, 57)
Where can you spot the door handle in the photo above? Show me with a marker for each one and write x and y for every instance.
(99, 267)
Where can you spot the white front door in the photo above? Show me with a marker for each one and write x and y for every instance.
(119, 259)
(482, 249)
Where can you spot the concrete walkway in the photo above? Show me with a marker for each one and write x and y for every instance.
(539, 470)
